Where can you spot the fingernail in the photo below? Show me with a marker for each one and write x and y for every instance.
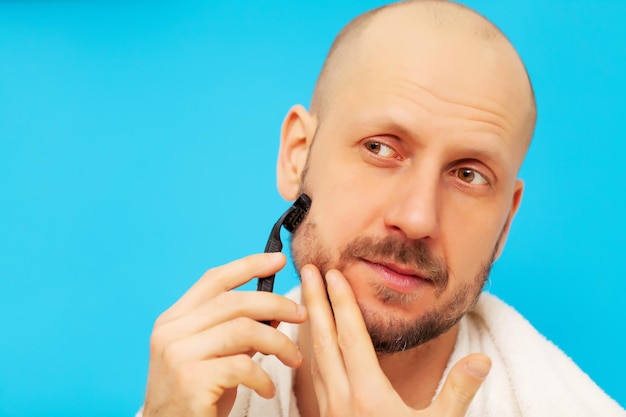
(299, 356)
(477, 368)
(301, 310)
(306, 274)
(331, 277)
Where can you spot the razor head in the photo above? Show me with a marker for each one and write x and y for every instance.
(297, 213)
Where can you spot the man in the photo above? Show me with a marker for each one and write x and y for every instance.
(418, 126)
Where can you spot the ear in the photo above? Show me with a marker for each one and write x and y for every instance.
(296, 137)
(517, 199)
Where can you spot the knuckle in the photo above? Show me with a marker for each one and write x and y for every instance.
(230, 300)
(221, 301)
(210, 272)
(462, 394)
(170, 355)
(315, 372)
(347, 338)
(241, 364)
(321, 345)
(248, 260)
(212, 275)
(160, 320)
(163, 319)
(243, 325)
(158, 340)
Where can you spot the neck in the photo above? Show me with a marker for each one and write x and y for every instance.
(415, 373)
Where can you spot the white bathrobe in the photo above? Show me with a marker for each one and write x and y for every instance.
(530, 377)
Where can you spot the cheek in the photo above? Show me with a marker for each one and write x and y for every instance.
(342, 205)
(469, 233)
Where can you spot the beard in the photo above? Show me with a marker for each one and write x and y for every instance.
(391, 333)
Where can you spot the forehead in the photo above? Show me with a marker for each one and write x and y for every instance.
(450, 69)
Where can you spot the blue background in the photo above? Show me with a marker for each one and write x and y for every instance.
(137, 149)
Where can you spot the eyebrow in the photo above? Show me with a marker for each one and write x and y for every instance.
(471, 150)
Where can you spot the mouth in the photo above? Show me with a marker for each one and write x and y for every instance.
(398, 278)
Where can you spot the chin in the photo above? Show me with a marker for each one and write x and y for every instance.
(411, 320)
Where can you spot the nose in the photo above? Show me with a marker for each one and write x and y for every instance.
(414, 205)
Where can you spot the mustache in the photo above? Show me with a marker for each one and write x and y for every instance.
(413, 254)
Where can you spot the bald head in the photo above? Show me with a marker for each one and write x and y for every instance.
(395, 31)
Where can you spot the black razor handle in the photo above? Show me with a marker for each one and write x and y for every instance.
(267, 283)
(291, 219)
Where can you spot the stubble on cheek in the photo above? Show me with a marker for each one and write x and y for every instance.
(306, 248)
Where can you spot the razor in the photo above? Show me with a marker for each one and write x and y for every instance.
(291, 219)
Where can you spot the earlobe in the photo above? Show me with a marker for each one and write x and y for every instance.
(295, 139)
(517, 199)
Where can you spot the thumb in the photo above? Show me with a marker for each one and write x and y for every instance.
(462, 383)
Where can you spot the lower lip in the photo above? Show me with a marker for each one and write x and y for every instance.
(397, 282)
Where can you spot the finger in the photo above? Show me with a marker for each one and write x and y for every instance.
(462, 383)
(331, 371)
(228, 306)
(242, 335)
(202, 388)
(225, 278)
(319, 388)
(356, 346)
(209, 379)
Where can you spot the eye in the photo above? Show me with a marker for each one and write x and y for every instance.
(380, 149)
(471, 176)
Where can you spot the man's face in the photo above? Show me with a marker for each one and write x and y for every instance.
(412, 175)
